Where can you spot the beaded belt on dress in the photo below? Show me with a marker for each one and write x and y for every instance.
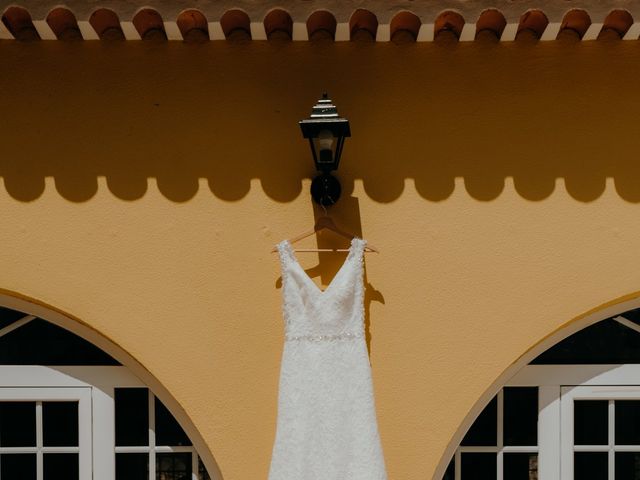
(323, 338)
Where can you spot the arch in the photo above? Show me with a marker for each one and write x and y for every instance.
(64, 24)
(235, 23)
(18, 21)
(278, 25)
(595, 315)
(149, 24)
(106, 24)
(405, 24)
(57, 317)
(321, 24)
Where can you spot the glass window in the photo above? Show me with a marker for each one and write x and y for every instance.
(606, 342)
(521, 416)
(43, 343)
(17, 424)
(168, 431)
(19, 466)
(132, 416)
(60, 424)
(483, 432)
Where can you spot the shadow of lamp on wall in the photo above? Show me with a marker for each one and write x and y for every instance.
(326, 132)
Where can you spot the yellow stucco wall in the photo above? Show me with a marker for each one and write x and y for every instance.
(144, 185)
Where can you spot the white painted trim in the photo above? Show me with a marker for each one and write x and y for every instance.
(87, 30)
(509, 33)
(40, 442)
(531, 375)
(152, 436)
(158, 449)
(627, 323)
(500, 435)
(73, 376)
(592, 32)
(129, 31)
(173, 31)
(383, 33)
(343, 33)
(566, 439)
(215, 31)
(44, 30)
(257, 31)
(17, 324)
(468, 33)
(551, 32)
(104, 438)
(633, 33)
(299, 32)
(549, 432)
(611, 439)
(5, 34)
(426, 33)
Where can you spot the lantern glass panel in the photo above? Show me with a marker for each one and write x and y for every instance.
(327, 152)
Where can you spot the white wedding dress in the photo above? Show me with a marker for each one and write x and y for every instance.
(327, 427)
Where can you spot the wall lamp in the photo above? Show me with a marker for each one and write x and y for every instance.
(326, 132)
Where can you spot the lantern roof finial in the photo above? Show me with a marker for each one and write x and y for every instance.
(324, 116)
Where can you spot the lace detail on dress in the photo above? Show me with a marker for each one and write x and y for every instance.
(327, 428)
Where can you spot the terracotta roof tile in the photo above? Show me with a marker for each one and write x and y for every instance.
(149, 25)
(321, 24)
(506, 20)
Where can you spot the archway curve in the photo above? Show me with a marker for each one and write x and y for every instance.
(30, 306)
(595, 315)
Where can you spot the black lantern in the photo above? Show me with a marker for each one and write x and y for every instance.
(326, 132)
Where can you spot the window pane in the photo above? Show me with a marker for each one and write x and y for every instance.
(521, 416)
(61, 466)
(132, 416)
(627, 422)
(173, 466)
(43, 343)
(478, 466)
(484, 430)
(627, 466)
(449, 474)
(18, 466)
(17, 424)
(7, 316)
(60, 424)
(590, 422)
(605, 342)
(132, 466)
(520, 466)
(168, 432)
(590, 466)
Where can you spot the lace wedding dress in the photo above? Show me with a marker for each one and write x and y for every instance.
(327, 427)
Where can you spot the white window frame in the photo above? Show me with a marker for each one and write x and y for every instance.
(82, 395)
(609, 393)
(94, 387)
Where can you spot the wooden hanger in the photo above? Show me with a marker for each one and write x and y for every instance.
(326, 223)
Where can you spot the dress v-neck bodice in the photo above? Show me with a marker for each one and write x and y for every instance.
(327, 428)
(310, 311)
